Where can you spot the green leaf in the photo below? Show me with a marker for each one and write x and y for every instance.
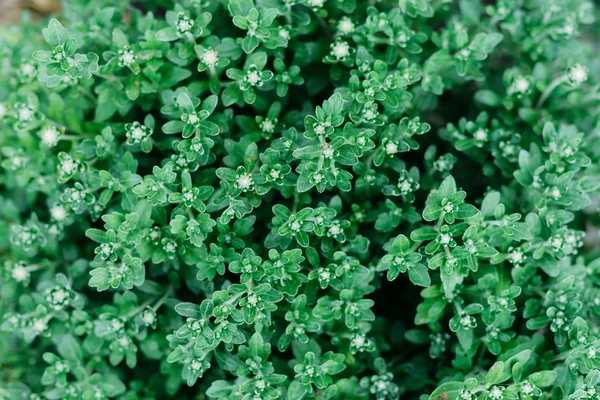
(55, 34)
(188, 310)
(69, 348)
(494, 373)
(419, 275)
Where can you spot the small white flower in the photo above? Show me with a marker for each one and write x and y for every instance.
(502, 301)
(58, 213)
(20, 273)
(496, 393)
(391, 148)
(49, 135)
(577, 74)
(124, 341)
(315, 3)
(324, 275)
(334, 230)
(445, 238)
(591, 352)
(328, 151)
(405, 186)
(184, 24)
(170, 247)
(268, 125)
(274, 174)
(253, 300)
(39, 325)
(449, 207)
(521, 85)
(136, 132)
(196, 365)
(555, 193)
(253, 77)
(210, 57)
(148, 317)
(527, 388)
(284, 33)
(26, 114)
(295, 226)
(319, 129)
(346, 26)
(480, 135)
(244, 181)
(340, 50)
(126, 56)
(28, 70)
(465, 321)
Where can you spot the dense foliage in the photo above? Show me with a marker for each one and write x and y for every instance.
(333, 199)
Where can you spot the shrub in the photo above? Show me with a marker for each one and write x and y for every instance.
(333, 199)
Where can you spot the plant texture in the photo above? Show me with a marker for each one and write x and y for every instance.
(301, 199)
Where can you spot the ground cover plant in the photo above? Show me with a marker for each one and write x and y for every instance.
(296, 199)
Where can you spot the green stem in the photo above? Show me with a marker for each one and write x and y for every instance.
(555, 83)
(380, 40)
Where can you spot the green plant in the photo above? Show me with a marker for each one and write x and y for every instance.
(336, 199)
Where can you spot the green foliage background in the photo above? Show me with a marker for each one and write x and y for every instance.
(332, 199)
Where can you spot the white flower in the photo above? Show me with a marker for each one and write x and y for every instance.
(252, 300)
(58, 213)
(324, 275)
(340, 50)
(210, 57)
(28, 70)
(196, 365)
(49, 135)
(253, 77)
(496, 393)
(295, 226)
(555, 193)
(480, 135)
(346, 26)
(449, 207)
(20, 273)
(315, 3)
(274, 174)
(520, 85)
(465, 321)
(148, 317)
(405, 185)
(136, 132)
(577, 74)
(591, 352)
(527, 388)
(391, 148)
(268, 125)
(334, 230)
(502, 301)
(284, 33)
(319, 129)
(39, 325)
(126, 56)
(445, 238)
(516, 256)
(25, 114)
(244, 181)
(328, 151)
(68, 165)
(170, 247)
(184, 24)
